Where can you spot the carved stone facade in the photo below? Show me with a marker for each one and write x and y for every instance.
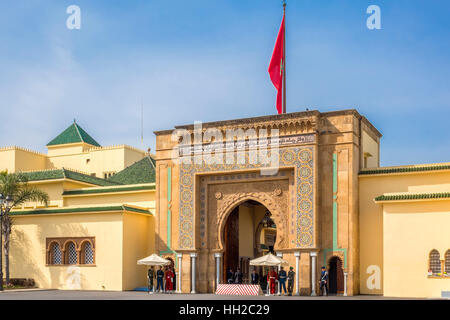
(312, 197)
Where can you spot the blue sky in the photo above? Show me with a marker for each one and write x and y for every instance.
(207, 60)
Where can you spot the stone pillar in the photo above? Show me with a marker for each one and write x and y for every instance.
(180, 271)
(345, 283)
(193, 271)
(297, 273)
(313, 255)
(218, 257)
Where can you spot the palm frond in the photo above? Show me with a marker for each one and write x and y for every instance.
(28, 193)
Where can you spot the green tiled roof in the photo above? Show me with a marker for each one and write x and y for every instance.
(80, 210)
(142, 171)
(405, 169)
(108, 190)
(68, 174)
(419, 196)
(73, 134)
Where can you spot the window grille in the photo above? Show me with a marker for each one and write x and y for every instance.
(88, 253)
(56, 254)
(72, 255)
(435, 262)
(447, 261)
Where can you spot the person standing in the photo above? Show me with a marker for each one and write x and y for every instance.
(150, 276)
(282, 279)
(238, 276)
(230, 276)
(271, 279)
(160, 280)
(323, 281)
(169, 280)
(291, 276)
(174, 280)
(254, 277)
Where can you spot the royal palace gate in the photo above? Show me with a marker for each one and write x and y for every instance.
(211, 216)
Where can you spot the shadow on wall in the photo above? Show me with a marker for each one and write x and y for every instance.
(29, 252)
(22, 263)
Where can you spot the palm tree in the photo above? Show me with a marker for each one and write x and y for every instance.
(16, 186)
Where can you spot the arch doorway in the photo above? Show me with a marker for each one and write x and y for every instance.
(249, 233)
(336, 276)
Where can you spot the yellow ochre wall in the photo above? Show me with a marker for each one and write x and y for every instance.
(95, 160)
(411, 231)
(28, 250)
(16, 159)
(78, 156)
(139, 198)
(54, 189)
(371, 215)
(139, 242)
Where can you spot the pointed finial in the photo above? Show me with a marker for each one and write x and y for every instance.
(74, 120)
(284, 3)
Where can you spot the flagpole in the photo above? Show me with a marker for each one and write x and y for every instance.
(284, 57)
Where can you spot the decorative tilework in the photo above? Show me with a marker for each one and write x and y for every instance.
(300, 158)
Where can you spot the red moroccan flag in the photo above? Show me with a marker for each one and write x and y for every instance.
(276, 66)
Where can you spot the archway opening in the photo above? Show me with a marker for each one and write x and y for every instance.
(249, 233)
(336, 276)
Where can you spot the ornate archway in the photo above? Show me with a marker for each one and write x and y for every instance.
(232, 201)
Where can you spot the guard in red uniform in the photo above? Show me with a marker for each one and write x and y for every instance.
(271, 279)
(169, 280)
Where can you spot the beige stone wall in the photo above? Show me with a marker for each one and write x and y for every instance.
(341, 137)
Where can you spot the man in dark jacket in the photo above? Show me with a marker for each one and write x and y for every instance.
(254, 277)
(230, 276)
(238, 276)
(291, 275)
(324, 281)
(160, 280)
(150, 276)
(282, 279)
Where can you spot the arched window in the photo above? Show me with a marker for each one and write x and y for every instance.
(447, 261)
(87, 253)
(55, 252)
(71, 253)
(435, 262)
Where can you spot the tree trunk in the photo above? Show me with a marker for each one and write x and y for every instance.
(7, 234)
(7, 264)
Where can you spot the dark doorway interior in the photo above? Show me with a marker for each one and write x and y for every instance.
(231, 237)
(336, 276)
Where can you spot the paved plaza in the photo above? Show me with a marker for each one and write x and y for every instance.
(139, 295)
